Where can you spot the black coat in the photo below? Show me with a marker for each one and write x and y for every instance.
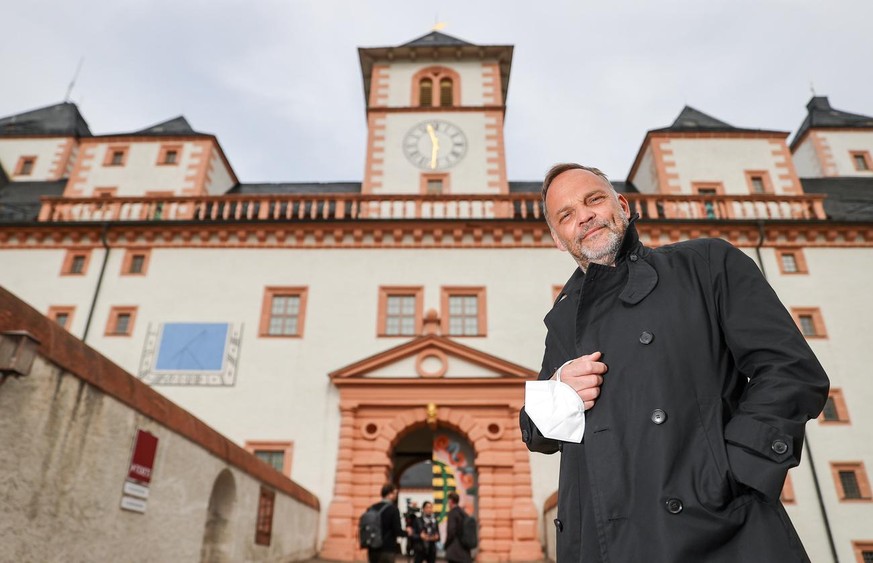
(701, 412)
(454, 550)
(391, 527)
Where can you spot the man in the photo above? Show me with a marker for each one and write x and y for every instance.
(391, 528)
(425, 534)
(696, 384)
(455, 551)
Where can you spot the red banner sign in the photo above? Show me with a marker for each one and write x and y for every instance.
(143, 458)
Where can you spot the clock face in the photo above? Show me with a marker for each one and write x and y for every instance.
(435, 145)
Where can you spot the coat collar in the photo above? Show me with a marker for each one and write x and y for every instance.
(642, 277)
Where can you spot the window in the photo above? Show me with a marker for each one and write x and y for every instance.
(116, 156)
(446, 92)
(463, 311)
(851, 481)
(425, 92)
(862, 161)
(434, 184)
(791, 261)
(25, 166)
(105, 192)
(264, 525)
(835, 410)
(136, 262)
(708, 189)
(787, 495)
(121, 321)
(810, 322)
(63, 315)
(169, 154)
(863, 551)
(283, 312)
(76, 263)
(758, 182)
(400, 311)
(276, 454)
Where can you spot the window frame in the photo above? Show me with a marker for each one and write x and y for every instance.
(69, 258)
(868, 160)
(112, 322)
(28, 160)
(856, 467)
(165, 149)
(836, 394)
(382, 314)
(799, 261)
(110, 153)
(428, 176)
(817, 320)
(436, 73)
(860, 547)
(301, 292)
(55, 310)
(481, 309)
(286, 447)
(767, 182)
(127, 262)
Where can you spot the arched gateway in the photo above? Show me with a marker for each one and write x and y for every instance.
(432, 381)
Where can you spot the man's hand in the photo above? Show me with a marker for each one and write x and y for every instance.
(585, 375)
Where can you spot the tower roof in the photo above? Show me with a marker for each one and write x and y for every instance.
(176, 126)
(435, 47)
(821, 114)
(691, 119)
(61, 119)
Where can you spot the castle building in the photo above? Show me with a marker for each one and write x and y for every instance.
(356, 333)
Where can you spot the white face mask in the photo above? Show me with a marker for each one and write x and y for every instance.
(556, 408)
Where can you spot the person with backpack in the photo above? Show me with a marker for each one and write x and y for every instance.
(457, 548)
(380, 527)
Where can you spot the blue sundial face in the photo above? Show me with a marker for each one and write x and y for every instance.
(192, 347)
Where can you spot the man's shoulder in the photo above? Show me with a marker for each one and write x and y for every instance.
(702, 248)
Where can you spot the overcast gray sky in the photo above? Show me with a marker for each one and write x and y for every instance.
(279, 82)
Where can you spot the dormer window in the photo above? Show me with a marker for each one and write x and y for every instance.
(445, 81)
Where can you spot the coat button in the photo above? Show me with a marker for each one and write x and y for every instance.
(779, 447)
(634, 257)
(659, 416)
(674, 506)
(646, 337)
(559, 525)
(525, 435)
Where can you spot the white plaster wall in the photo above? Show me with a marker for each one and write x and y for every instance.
(469, 176)
(841, 143)
(141, 172)
(646, 178)
(400, 81)
(726, 160)
(806, 160)
(45, 151)
(66, 455)
(220, 178)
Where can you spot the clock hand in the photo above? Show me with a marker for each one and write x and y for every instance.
(435, 146)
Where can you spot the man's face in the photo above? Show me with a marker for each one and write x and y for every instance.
(587, 218)
(428, 509)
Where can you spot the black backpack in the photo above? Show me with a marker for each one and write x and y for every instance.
(469, 536)
(370, 527)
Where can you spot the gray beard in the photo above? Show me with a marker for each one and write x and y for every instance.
(607, 255)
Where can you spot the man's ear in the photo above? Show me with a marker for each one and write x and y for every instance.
(560, 245)
(625, 206)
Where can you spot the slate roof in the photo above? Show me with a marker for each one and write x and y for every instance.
(848, 198)
(176, 126)
(694, 120)
(821, 114)
(19, 201)
(62, 119)
(435, 38)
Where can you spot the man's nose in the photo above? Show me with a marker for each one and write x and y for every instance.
(584, 214)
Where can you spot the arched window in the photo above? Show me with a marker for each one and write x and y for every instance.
(446, 92)
(425, 92)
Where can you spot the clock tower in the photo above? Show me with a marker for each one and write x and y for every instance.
(435, 110)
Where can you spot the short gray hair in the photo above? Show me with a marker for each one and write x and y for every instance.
(562, 167)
